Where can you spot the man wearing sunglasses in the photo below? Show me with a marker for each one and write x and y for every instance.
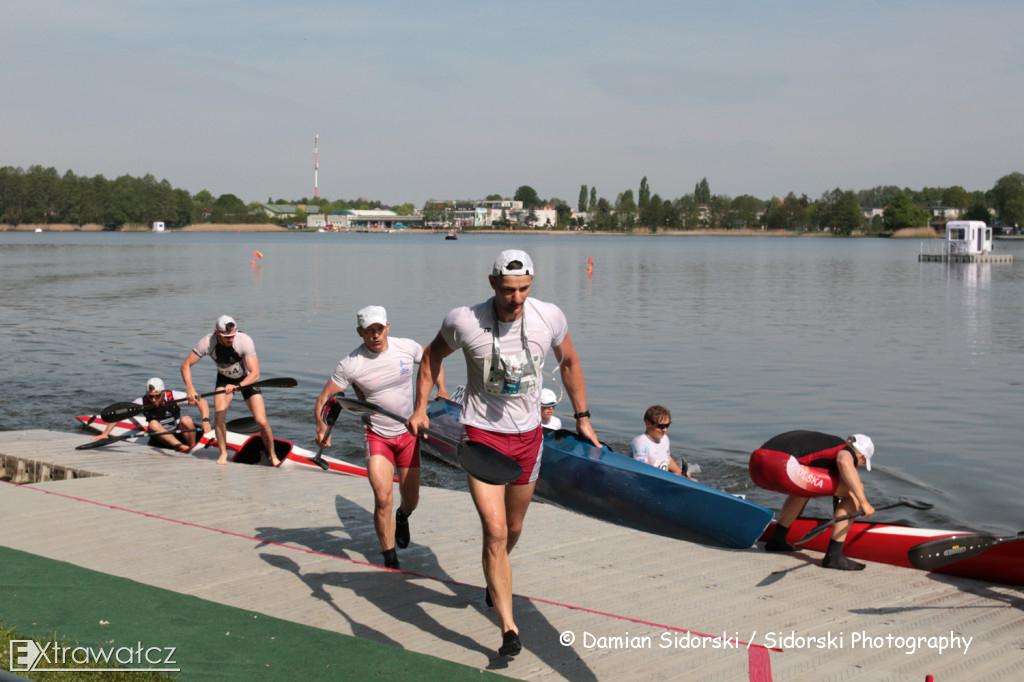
(237, 367)
(163, 414)
(652, 446)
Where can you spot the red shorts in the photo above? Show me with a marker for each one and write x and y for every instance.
(522, 448)
(402, 451)
(778, 471)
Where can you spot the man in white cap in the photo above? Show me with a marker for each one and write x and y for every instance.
(548, 420)
(164, 414)
(381, 371)
(505, 340)
(806, 464)
(237, 367)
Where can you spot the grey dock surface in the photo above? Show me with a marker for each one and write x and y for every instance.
(594, 601)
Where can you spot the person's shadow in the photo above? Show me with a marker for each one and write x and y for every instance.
(404, 595)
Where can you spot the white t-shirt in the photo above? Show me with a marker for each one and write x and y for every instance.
(385, 379)
(554, 423)
(470, 329)
(230, 359)
(646, 450)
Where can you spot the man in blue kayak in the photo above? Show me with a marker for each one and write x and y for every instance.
(806, 464)
(652, 446)
(505, 340)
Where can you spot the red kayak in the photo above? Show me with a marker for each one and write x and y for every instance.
(243, 449)
(889, 544)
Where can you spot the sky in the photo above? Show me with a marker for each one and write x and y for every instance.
(445, 99)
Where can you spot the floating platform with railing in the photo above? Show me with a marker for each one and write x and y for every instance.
(965, 258)
(967, 241)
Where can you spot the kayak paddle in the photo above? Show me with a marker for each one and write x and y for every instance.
(941, 551)
(825, 525)
(480, 461)
(241, 425)
(119, 411)
(332, 408)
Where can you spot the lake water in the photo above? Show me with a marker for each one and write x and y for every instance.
(741, 338)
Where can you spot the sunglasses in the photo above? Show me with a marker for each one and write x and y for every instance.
(663, 427)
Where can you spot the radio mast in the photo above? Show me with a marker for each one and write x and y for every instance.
(316, 166)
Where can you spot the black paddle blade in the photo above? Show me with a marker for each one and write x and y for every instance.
(355, 406)
(486, 464)
(89, 445)
(283, 382)
(319, 461)
(243, 425)
(118, 411)
(908, 502)
(943, 551)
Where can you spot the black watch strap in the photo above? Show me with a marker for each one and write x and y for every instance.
(581, 415)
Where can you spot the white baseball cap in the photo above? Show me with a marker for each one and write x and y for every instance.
(548, 397)
(224, 322)
(864, 446)
(372, 314)
(512, 262)
(155, 385)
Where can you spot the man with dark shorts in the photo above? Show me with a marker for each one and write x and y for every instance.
(505, 340)
(381, 371)
(806, 464)
(163, 414)
(237, 367)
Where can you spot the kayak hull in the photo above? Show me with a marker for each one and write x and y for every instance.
(889, 544)
(243, 448)
(605, 485)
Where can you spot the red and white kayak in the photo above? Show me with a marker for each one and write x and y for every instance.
(243, 448)
(889, 544)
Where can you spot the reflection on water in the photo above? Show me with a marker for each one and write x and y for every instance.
(741, 338)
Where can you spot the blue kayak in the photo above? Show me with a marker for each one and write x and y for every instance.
(612, 487)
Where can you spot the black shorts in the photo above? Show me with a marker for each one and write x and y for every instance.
(246, 391)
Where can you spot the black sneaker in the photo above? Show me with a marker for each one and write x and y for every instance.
(391, 559)
(841, 563)
(510, 644)
(401, 529)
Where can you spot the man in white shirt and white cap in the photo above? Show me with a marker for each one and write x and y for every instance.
(504, 341)
(381, 371)
(548, 401)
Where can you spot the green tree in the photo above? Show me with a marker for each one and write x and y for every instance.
(643, 199)
(956, 196)
(593, 199)
(978, 210)
(702, 192)
(901, 212)
(1008, 199)
(839, 211)
(581, 206)
(528, 196)
(625, 210)
(744, 210)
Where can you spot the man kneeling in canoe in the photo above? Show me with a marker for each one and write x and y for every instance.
(806, 464)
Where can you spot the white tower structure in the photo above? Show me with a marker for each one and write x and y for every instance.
(316, 166)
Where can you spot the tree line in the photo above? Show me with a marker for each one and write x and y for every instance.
(41, 196)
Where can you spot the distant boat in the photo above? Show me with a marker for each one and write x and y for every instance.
(452, 234)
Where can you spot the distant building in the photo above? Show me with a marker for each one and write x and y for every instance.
(279, 212)
(372, 220)
(945, 212)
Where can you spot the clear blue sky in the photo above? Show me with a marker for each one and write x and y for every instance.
(451, 99)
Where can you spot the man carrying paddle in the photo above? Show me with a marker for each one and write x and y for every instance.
(162, 414)
(381, 372)
(237, 367)
(806, 464)
(505, 340)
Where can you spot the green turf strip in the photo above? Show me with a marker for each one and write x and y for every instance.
(40, 597)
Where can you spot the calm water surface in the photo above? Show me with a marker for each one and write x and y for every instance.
(741, 338)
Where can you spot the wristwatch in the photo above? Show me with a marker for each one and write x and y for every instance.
(581, 415)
